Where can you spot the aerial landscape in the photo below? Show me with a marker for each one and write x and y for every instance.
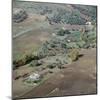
(54, 49)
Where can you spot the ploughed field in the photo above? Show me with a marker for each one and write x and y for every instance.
(75, 79)
(78, 78)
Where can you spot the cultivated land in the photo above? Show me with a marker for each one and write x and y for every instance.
(42, 30)
(77, 78)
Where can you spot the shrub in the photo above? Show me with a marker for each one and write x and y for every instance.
(62, 32)
(52, 65)
(35, 56)
(19, 15)
(24, 60)
(61, 67)
(84, 37)
(19, 62)
(81, 44)
(28, 58)
(50, 71)
(72, 45)
(35, 63)
(73, 54)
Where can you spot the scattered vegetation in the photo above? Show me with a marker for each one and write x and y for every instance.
(87, 10)
(59, 44)
(89, 39)
(64, 39)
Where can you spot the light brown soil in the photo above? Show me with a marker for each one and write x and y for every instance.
(77, 78)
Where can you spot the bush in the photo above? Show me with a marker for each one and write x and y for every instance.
(89, 39)
(19, 15)
(52, 65)
(72, 45)
(19, 62)
(81, 44)
(73, 54)
(35, 63)
(84, 37)
(35, 56)
(62, 32)
(24, 60)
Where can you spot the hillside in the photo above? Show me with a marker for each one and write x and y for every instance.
(54, 49)
(60, 13)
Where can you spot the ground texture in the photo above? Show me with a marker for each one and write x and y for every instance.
(76, 79)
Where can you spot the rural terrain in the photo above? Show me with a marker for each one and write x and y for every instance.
(54, 49)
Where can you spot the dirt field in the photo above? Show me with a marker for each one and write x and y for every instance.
(77, 78)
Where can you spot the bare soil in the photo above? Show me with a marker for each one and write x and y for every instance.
(78, 78)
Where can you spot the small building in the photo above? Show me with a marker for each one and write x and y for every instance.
(88, 26)
(88, 23)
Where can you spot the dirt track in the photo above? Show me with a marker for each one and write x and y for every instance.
(77, 78)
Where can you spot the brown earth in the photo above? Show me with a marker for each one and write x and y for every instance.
(78, 78)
